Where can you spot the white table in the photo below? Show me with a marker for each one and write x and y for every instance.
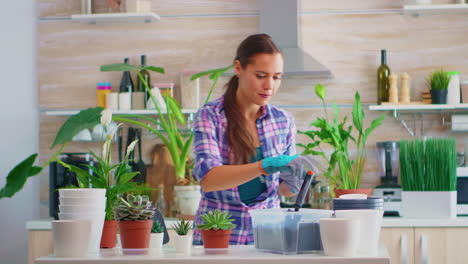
(233, 255)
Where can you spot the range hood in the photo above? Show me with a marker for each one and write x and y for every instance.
(280, 20)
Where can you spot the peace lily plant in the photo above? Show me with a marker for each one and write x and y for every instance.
(343, 171)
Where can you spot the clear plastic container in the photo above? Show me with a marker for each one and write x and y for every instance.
(288, 232)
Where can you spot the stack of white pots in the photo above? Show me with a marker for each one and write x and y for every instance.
(85, 204)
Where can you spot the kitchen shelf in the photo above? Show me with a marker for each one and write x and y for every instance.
(69, 112)
(416, 10)
(462, 171)
(116, 17)
(418, 109)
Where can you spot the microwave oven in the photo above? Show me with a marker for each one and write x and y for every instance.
(462, 191)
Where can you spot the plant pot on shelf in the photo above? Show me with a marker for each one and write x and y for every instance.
(439, 96)
(442, 204)
(187, 198)
(135, 234)
(109, 234)
(216, 238)
(156, 240)
(339, 192)
(183, 244)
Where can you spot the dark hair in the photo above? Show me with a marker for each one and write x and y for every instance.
(239, 140)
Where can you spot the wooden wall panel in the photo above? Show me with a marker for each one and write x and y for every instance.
(346, 36)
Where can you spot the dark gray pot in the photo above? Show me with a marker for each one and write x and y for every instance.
(439, 96)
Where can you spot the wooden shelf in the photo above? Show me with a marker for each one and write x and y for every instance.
(415, 107)
(115, 17)
(462, 171)
(432, 9)
(69, 112)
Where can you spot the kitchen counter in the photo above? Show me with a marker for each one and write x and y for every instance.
(45, 224)
(234, 255)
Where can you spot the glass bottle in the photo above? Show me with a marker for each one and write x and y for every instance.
(161, 201)
(383, 72)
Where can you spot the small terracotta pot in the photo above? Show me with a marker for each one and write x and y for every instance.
(339, 192)
(135, 234)
(109, 234)
(216, 238)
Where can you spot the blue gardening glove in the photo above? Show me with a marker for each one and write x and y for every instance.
(298, 169)
(277, 164)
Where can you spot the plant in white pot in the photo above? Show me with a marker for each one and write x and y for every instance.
(157, 235)
(183, 239)
(428, 176)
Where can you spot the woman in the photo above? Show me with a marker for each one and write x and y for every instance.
(241, 142)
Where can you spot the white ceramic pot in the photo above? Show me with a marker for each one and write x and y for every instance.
(442, 204)
(183, 244)
(71, 237)
(340, 236)
(82, 192)
(73, 209)
(156, 240)
(82, 201)
(97, 223)
(188, 198)
(369, 228)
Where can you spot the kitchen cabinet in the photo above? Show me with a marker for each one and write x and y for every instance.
(426, 245)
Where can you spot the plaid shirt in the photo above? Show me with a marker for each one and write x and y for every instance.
(276, 132)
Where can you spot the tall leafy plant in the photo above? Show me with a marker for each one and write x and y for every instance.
(343, 171)
(178, 143)
(428, 165)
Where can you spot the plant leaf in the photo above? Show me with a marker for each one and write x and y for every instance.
(374, 124)
(87, 118)
(358, 113)
(153, 68)
(320, 91)
(18, 176)
(211, 72)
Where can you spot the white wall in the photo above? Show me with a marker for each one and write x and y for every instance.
(18, 122)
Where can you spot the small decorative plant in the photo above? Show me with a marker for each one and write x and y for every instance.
(157, 228)
(182, 227)
(216, 229)
(428, 165)
(216, 220)
(134, 208)
(438, 80)
(343, 171)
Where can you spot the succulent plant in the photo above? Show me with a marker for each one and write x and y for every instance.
(157, 228)
(134, 208)
(182, 227)
(216, 220)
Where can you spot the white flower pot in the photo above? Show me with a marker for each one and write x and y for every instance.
(97, 223)
(188, 198)
(429, 204)
(422, 2)
(156, 240)
(183, 244)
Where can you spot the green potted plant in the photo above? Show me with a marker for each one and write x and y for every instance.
(177, 141)
(438, 82)
(216, 229)
(135, 216)
(183, 239)
(343, 172)
(428, 172)
(114, 178)
(157, 235)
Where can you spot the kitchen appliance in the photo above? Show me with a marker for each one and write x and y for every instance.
(60, 177)
(462, 191)
(388, 160)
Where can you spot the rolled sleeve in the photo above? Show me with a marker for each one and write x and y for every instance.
(206, 143)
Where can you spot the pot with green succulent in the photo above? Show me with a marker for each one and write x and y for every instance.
(135, 217)
(177, 141)
(343, 172)
(183, 239)
(438, 82)
(216, 229)
(157, 235)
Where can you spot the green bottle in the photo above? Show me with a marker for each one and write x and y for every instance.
(146, 76)
(382, 79)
